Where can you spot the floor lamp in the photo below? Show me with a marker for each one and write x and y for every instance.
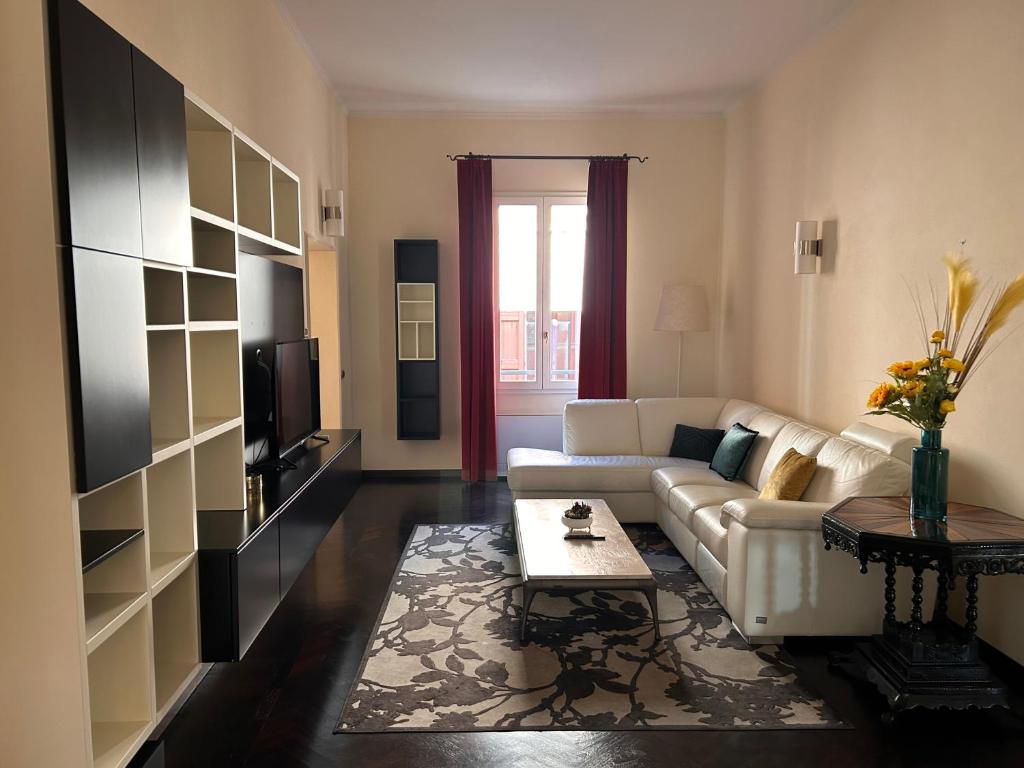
(682, 308)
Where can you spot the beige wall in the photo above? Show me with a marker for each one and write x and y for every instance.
(902, 125)
(404, 187)
(40, 651)
(241, 57)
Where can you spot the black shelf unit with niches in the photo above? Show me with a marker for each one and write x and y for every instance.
(417, 358)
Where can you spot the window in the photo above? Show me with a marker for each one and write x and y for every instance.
(540, 242)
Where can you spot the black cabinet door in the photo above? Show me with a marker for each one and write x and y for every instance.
(109, 366)
(258, 587)
(163, 162)
(94, 125)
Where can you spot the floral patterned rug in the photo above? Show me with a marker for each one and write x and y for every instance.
(446, 655)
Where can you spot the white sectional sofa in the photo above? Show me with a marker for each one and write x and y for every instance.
(763, 560)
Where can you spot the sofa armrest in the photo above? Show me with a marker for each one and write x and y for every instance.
(765, 513)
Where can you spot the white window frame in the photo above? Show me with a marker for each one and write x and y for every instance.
(543, 201)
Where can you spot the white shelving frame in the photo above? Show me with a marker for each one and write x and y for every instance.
(138, 614)
(417, 334)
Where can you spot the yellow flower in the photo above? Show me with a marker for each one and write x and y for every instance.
(882, 395)
(938, 337)
(944, 352)
(906, 369)
(952, 364)
(923, 363)
(911, 388)
(947, 406)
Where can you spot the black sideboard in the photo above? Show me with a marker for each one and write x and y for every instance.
(249, 559)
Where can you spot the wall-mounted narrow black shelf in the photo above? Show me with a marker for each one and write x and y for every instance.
(417, 364)
(97, 546)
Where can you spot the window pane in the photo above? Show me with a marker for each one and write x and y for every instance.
(517, 292)
(568, 235)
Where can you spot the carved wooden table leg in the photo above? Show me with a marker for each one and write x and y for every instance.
(890, 592)
(972, 606)
(941, 599)
(917, 585)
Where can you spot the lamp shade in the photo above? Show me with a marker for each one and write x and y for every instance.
(682, 308)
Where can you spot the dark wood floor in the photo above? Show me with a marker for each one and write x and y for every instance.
(279, 706)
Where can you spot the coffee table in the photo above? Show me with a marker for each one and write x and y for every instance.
(550, 562)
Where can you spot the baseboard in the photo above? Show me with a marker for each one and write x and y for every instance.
(412, 474)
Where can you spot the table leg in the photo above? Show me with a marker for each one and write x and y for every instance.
(652, 600)
(972, 606)
(916, 600)
(528, 594)
(890, 591)
(941, 598)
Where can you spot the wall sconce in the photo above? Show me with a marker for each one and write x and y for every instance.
(806, 248)
(334, 212)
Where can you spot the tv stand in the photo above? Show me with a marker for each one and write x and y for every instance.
(249, 558)
(270, 466)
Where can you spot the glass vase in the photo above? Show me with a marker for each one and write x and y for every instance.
(929, 477)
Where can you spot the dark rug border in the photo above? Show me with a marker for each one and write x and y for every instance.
(843, 725)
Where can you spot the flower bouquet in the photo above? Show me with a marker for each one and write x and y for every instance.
(924, 392)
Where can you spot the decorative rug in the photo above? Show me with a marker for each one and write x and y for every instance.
(445, 654)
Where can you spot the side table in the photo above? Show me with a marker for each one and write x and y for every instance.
(916, 663)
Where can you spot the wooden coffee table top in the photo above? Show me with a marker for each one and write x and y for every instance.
(545, 555)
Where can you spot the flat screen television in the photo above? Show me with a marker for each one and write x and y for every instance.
(297, 393)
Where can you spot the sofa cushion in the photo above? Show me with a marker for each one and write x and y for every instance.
(707, 525)
(848, 469)
(695, 443)
(601, 428)
(533, 469)
(685, 500)
(790, 478)
(689, 473)
(733, 451)
(800, 437)
(737, 411)
(658, 416)
(767, 425)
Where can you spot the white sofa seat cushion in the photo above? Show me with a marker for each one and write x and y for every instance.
(685, 500)
(658, 417)
(534, 469)
(848, 469)
(686, 472)
(600, 428)
(707, 525)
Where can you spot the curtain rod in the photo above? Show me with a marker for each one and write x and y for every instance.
(471, 156)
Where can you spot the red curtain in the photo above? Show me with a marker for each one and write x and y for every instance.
(603, 318)
(477, 321)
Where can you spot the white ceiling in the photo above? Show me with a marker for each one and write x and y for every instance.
(552, 55)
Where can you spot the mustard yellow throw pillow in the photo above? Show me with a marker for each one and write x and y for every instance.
(790, 478)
